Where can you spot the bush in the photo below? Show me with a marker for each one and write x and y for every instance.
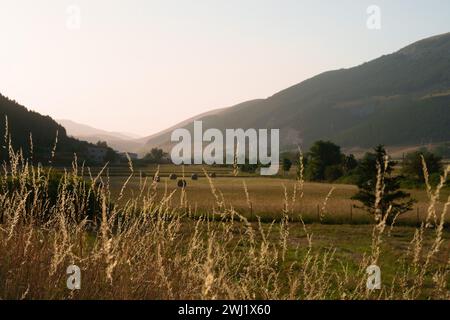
(350, 178)
(248, 168)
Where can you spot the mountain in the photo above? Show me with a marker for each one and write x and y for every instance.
(162, 139)
(82, 130)
(117, 140)
(22, 125)
(399, 99)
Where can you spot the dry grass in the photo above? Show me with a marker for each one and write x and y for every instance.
(267, 198)
(154, 244)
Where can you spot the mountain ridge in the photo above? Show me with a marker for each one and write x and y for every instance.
(77, 129)
(38, 136)
(340, 105)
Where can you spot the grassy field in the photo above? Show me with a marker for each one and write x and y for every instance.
(267, 197)
(217, 239)
(350, 244)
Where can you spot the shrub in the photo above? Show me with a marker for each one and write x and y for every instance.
(248, 168)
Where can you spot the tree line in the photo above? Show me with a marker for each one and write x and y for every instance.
(325, 162)
(380, 180)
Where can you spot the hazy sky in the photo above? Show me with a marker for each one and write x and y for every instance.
(142, 65)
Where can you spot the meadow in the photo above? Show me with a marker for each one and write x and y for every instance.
(265, 195)
(229, 237)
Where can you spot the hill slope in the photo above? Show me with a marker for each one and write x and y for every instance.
(398, 99)
(22, 123)
(117, 140)
(76, 129)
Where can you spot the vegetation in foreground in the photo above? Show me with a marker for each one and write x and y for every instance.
(146, 247)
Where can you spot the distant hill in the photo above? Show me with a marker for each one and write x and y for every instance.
(22, 124)
(162, 139)
(117, 140)
(76, 129)
(398, 99)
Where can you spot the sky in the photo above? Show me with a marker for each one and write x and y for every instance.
(141, 66)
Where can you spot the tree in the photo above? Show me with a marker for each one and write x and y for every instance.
(321, 155)
(287, 164)
(102, 144)
(412, 166)
(155, 155)
(247, 167)
(111, 155)
(349, 163)
(375, 175)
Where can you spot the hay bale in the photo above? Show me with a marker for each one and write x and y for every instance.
(182, 183)
(173, 176)
(194, 176)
